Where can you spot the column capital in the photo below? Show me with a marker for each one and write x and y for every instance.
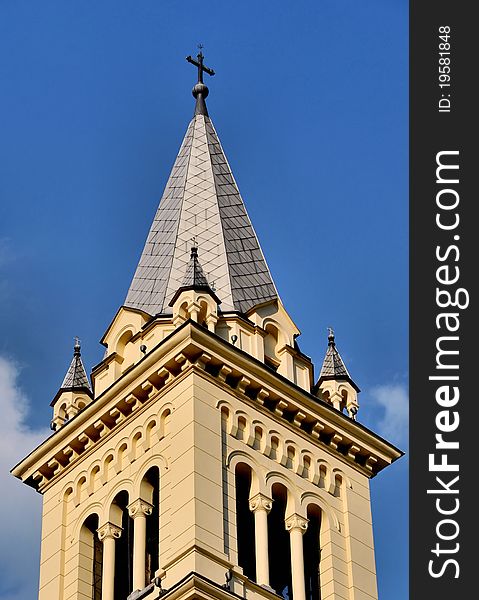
(139, 508)
(109, 531)
(296, 521)
(260, 502)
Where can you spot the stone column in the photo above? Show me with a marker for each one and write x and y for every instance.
(138, 511)
(211, 320)
(107, 534)
(297, 525)
(261, 505)
(194, 310)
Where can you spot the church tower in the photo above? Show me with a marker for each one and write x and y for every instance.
(204, 461)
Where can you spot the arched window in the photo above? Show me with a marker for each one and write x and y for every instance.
(244, 521)
(312, 553)
(270, 346)
(124, 551)
(203, 312)
(278, 544)
(153, 526)
(122, 342)
(93, 548)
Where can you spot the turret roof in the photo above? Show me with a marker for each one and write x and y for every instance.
(333, 365)
(76, 378)
(195, 278)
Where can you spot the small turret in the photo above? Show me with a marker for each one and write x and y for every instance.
(195, 298)
(75, 392)
(335, 385)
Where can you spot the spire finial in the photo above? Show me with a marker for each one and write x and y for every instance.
(77, 346)
(331, 336)
(199, 63)
(200, 90)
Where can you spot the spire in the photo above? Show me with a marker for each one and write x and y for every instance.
(194, 278)
(74, 393)
(76, 377)
(333, 365)
(201, 200)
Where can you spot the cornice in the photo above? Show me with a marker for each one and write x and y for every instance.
(193, 348)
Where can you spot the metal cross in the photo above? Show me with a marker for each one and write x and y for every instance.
(199, 63)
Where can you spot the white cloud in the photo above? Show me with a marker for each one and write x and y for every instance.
(20, 506)
(394, 422)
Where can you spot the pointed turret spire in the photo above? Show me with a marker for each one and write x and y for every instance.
(194, 278)
(333, 365)
(74, 393)
(76, 378)
(335, 385)
(201, 200)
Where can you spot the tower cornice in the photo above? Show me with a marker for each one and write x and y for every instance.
(193, 348)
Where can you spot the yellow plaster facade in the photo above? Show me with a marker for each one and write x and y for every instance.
(195, 407)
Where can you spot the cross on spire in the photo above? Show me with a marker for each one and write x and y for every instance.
(200, 91)
(199, 63)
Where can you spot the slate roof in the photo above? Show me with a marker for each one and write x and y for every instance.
(333, 365)
(76, 377)
(201, 201)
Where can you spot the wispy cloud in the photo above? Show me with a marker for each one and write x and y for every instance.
(393, 424)
(20, 507)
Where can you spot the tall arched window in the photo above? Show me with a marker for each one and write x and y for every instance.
(93, 548)
(312, 553)
(244, 521)
(124, 551)
(278, 544)
(153, 526)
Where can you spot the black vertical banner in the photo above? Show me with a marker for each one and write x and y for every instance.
(444, 259)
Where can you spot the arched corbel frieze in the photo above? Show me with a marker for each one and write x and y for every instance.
(345, 478)
(121, 451)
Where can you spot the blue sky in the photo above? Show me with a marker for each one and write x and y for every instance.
(310, 103)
